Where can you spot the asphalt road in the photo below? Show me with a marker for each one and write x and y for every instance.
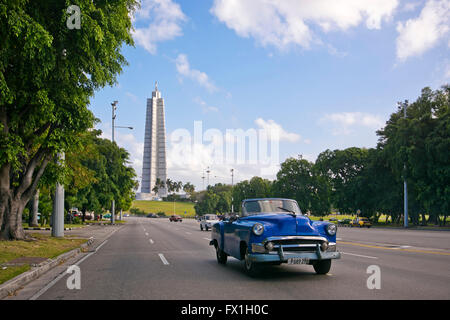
(158, 259)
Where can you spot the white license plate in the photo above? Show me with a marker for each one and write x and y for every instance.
(298, 261)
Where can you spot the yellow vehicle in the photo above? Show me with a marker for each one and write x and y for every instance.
(361, 222)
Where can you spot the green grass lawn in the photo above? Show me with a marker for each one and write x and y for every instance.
(66, 225)
(45, 246)
(166, 207)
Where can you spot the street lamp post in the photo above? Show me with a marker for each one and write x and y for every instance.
(114, 107)
(232, 176)
(405, 186)
(113, 204)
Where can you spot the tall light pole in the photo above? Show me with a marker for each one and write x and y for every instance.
(405, 186)
(114, 107)
(232, 182)
(208, 172)
(113, 204)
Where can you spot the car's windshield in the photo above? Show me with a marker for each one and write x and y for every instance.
(212, 217)
(253, 207)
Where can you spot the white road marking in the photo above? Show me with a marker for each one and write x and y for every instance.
(163, 259)
(359, 255)
(146, 233)
(207, 239)
(63, 274)
(339, 239)
(151, 241)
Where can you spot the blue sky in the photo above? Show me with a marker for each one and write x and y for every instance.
(326, 74)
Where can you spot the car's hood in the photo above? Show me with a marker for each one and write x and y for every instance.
(285, 224)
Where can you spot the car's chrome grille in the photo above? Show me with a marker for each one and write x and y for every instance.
(296, 244)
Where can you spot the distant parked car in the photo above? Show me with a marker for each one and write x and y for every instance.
(175, 218)
(152, 215)
(345, 221)
(207, 221)
(274, 231)
(361, 222)
(107, 216)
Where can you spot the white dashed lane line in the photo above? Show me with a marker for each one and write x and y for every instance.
(146, 233)
(151, 241)
(359, 255)
(207, 239)
(163, 259)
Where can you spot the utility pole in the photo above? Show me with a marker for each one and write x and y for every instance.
(405, 186)
(58, 206)
(232, 183)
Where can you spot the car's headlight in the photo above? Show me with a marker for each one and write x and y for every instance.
(331, 229)
(258, 229)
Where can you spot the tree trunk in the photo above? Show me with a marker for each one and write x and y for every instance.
(424, 220)
(35, 210)
(12, 220)
(83, 216)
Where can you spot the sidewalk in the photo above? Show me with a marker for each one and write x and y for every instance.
(97, 235)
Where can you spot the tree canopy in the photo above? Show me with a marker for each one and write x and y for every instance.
(48, 73)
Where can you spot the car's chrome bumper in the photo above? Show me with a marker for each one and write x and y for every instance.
(281, 256)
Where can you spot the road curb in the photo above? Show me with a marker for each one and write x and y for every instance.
(10, 286)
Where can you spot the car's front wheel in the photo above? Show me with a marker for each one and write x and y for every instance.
(221, 256)
(322, 267)
(201, 227)
(250, 267)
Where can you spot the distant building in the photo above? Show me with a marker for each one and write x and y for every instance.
(154, 164)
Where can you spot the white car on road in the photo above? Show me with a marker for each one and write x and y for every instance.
(207, 221)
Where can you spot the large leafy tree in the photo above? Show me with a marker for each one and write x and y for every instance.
(297, 179)
(342, 169)
(106, 175)
(417, 148)
(48, 73)
(256, 187)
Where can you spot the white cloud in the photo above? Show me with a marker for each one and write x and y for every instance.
(272, 126)
(162, 21)
(345, 122)
(421, 34)
(282, 23)
(205, 107)
(184, 70)
(133, 97)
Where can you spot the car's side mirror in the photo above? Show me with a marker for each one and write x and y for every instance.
(233, 218)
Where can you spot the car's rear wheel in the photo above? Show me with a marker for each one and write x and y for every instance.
(201, 227)
(221, 256)
(322, 267)
(206, 227)
(250, 267)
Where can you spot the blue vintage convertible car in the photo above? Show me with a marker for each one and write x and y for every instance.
(274, 231)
